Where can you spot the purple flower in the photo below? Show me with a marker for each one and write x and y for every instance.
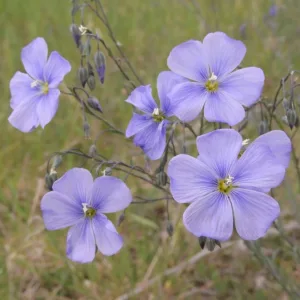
(215, 86)
(34, 96)
(224, 189)
(149, 129)
(80, 202)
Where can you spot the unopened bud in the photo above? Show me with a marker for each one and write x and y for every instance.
(93, 102)
(286, 104)
(57, 160)
(100, 65)
(91, 82)
(161, 178)
(107, 171)
(263, 127)
(50, 179)
(121, 219)
(93, 151)
(86, 129)
(291, 118)
(170, 229)
(75, 34)
(83, 75)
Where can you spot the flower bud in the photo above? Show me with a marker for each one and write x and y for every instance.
(50, 179)
(93, 102)
(86, 129)
(91, 82)
(107, 171)
(57, 160)
(121, 219)
(170, 229)
(291, 117)
(100, 65)
(263, 127)
(76, 34)
(83, 75)
(286, 104)
(161, 178)
(93, 151)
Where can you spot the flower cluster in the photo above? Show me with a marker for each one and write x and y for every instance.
(226, 185)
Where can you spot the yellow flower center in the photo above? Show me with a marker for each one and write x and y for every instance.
(44, 87)
(212, 84)
(157, 115)
(89, 212)
(225, 185)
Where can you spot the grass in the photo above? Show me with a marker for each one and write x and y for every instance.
(32, 261)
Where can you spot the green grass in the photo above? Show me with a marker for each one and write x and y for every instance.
(32, 262)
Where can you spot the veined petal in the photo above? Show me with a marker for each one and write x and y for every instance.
(108, 240)
(254, 213)
(137, 123)
(210, 217)
(56, 69)
(244, 85)
(34, 57)
(77, 184)
(24, 117)
(47, 106)
(224, 54)
(152, 139)
(141, 98)
(220, 107)
(190, 179)
(279, 144)
(110, 194)
(166, 81)
(187, 100)
(20, 89)
(81, 246)
(219, 150)
(189, 60)
(60, 211)
(256, 169)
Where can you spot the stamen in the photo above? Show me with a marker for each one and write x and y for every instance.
(157, 115)
(83, 30)
(228, 179)
(213, 77)
(155, 112)
(212, 84)
(245, 142)
(225, 185)
(89, 212)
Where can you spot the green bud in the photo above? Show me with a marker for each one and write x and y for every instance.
(91, 82)
(291, 118)
(83, 75)
(50, 179)
(76, 34)
(161, 178)
(100, 65)
(86, 129)
(57, 160)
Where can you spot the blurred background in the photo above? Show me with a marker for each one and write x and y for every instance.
(151, 265)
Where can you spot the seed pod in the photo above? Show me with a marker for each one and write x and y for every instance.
(291, 117)
(83, 75)
(100, 65)
(93, 102)
(76, 34)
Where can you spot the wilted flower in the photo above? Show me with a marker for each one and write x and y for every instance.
(222, 187)
(80, 202)
(149, 129)
(34, 96)
(210, 65)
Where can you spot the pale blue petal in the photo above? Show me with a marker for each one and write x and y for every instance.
(223, 53)
(210, 217)
(137, 123)
(220, 107)
(189, 60)
(34, 57)
(77, 184)
(81, 246)
(59, 211)
(141, 98)
(110, 194)
(56, 69)
(108, 240)
(219, 150)
(190, 179)
(254, 213)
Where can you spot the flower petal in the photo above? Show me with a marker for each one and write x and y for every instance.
(254, 213)
(47, 106)
(59, 211)
(189, 60)
(20, 89)
(110, 194)
(141, 98)
(220, 107)
(24, 117)
(34, 57)
(244, 85)
(76, 183)
(219, 150)
(210, 217)
(108, 240)
(138, 123)
(224, 54)
(279, 144)
(152, 139)
(56, 69)
(190, 179)
(256, 169)
(166, 81)
(81, 246)
(187, 100)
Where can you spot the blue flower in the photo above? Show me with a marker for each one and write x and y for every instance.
(149, 129)
(34, 96)
(225, 190)
(214, 86)
(80, 202)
